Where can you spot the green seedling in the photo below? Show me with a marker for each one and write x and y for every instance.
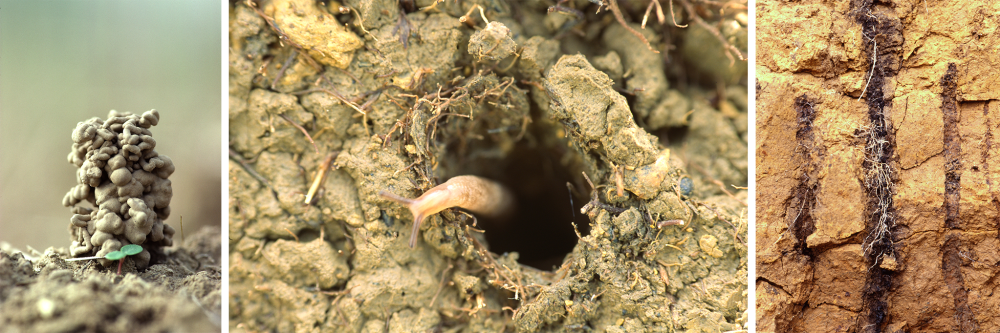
(119, 255)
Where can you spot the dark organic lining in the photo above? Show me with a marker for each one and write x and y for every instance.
(952, 148)
(879, 172)
(951, 263)
(804, 194)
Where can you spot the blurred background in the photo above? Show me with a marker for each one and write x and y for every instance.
(62, 62)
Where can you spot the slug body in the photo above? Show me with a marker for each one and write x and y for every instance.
(478, 195)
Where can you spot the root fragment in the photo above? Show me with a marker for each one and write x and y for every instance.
(233, 155)
(872, 73)
(659, 12)
(674, 18)
(320, 176)
(613, 5)
(595, 201)
(289, 120)
(715, 32)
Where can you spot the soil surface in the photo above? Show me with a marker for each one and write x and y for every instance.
(179, 292)
(878, 191)
(329, 106)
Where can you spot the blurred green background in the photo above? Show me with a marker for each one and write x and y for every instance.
(62, 62)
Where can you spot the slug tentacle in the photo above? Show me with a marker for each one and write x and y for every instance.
(475, 194)
(396, 198)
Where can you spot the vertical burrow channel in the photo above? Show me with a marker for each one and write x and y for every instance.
(803, 198)
(882, 40)
(950, 261)
(952, 148)
(988, 143)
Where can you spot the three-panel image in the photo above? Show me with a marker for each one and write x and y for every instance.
(500, 166)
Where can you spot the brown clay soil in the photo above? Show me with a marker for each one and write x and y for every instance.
(179, 292)
(398, 99)
(878, 181)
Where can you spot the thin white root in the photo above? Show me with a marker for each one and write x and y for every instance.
(659, 12)
(872, 73)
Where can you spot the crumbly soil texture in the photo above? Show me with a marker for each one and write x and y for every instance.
(332, 103)
(180, 291)
(878, 191)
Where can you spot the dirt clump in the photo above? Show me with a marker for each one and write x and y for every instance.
(619, 226)
(315, 30)
(41, 292)
(492, 43)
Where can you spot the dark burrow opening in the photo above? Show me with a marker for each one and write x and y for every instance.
(536, 169)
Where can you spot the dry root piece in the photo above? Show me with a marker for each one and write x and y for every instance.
(125, 181)
(613, 6)
(732, 50)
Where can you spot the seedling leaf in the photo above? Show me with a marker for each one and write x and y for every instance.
(116, 255)
(131, 249)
